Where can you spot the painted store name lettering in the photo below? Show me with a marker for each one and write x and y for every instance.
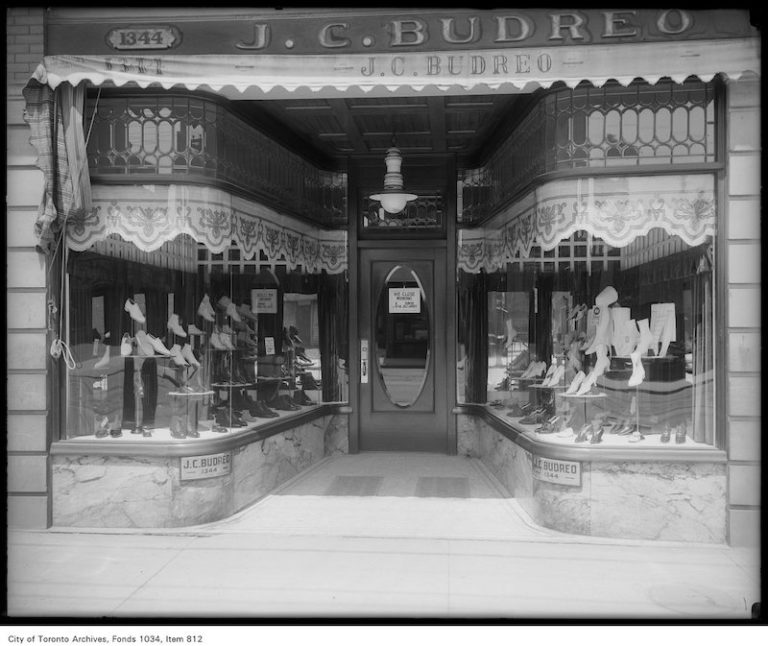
(455, 64)
(561, 27)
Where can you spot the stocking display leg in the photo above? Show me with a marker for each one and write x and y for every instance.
(645, 341)
(129, 403)
(149, 401)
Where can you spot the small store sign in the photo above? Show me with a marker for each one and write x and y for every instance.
(558, 471)
(404, 300)
(206, 466)
(264, 301)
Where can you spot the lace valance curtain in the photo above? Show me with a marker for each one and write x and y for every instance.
(150, 215)
(614, 209)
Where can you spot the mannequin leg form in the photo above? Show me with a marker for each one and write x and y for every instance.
(645, 341)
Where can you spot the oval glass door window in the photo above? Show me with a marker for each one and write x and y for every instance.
(402, 336)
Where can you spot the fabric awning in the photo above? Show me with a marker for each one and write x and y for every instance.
(435, 71)
(614, 209)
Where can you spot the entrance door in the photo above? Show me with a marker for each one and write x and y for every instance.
(402, 330)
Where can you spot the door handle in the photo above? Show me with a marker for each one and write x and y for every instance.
(363, 361)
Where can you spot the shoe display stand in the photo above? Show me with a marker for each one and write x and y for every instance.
(185, 412)
(545, 396)
(586, 400)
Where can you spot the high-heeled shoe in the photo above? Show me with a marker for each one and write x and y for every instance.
(680, 434)
(665, 435)
(597, 437)
(576, 383)
(584, 433)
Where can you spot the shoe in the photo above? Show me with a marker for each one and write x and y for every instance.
(158, 345)
(557, 376)
(260, 409)
(597, 437)
(186, 353)
(144, 346)
(665, 434)
(519, 410)
(549, 374)
(230, 308)
(680, 434)
(300, 397)
(584, 433)
(216, 341)
(576, 383)
(102, 426)
(104, 359)
(126, 346)
(282, 402)
(245, 312)
(133, 309)
(536, 417)
(177, 357)
(308, 382)
(637, 436)
(175, 326)
(146, 432)
(226, 340)
(193, 329)
(549, 426)
(293, 332)
(205, 310)
(116, 432)
(192, 432)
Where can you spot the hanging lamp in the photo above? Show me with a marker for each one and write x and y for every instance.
(393, 198)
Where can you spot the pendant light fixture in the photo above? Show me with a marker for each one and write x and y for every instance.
(393, 198)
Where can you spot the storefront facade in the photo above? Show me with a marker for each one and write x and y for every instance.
(199, 308)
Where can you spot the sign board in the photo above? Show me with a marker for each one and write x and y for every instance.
(404, 300)
(259, 31)
(206, 466)
(264, 301)
(557, 471)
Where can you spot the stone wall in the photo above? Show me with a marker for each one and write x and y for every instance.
(632, 500)
(144, 492)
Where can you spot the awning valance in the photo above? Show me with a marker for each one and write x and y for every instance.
(151, 215)
(614, 209)
(431, 71)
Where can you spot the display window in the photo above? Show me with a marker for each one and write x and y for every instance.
(182, 342)
(593, 344)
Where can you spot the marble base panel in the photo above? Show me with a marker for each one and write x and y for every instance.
(633, 500)
(133, 491)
